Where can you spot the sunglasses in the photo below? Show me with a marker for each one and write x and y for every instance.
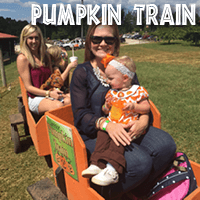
(63, 54)
(98, 39)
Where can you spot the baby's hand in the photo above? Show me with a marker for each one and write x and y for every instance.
(73, 64)
(129, 106)
(108, 99)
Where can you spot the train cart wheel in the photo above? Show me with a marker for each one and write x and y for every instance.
(20, 104)
(15, 138)
(15, 120)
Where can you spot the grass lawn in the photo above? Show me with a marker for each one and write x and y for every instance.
(170, 73)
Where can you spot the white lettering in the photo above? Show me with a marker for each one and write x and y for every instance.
(178, 14)
(151, 13)
(104, 14)
(36, 12)
(186, 14)
(109, 14)
(167, 15)
(80, 13)
(139, 8)
(91, 14)
(52, 20)
(65, 16)
(115, 15)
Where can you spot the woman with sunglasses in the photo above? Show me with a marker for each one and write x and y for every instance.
(34, 67)
(147, 156)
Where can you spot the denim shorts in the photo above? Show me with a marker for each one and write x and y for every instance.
(33, 104)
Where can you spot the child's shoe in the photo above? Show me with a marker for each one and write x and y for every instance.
(106, 177)
(91, 171)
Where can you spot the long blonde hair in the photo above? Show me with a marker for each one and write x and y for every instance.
(26, 31)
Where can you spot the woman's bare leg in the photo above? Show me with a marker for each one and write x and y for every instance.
(67, 99)
(48, 104)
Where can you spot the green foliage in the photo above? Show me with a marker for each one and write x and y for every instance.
(53, 36)
(192, 33)
(166, 33)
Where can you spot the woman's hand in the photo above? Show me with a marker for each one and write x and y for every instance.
(136, 128)
(56, 94)
(118, 134)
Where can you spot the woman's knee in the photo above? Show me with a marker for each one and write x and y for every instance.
(160, 145)
(67, 101)
(166, 141)
(158, 141)
(59, 104)
(138, 165)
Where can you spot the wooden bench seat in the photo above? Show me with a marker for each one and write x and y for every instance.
(45, 190)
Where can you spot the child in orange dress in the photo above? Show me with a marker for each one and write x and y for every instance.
(124, 102)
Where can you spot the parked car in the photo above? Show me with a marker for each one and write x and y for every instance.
(145, 36)
(137, 36)
(122, 40)
(65, 40)
(76, 43)
(59, 43)
(151, 37)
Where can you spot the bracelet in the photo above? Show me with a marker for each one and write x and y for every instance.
(105, 108)
(47, 94)
(98, 122)
(105, 125)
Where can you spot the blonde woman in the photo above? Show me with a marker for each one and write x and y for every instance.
(34, 67)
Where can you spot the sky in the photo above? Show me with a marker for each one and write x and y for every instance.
(21, 9)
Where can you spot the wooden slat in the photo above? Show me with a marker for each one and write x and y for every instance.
(45, 190)
(16, 119)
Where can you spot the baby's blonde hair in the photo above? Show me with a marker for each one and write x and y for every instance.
(127, 62)
(55, 53)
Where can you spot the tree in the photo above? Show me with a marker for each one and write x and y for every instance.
(166, 33)
(192, 34)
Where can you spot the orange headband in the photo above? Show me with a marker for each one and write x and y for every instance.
(119, 66)
(107, 59)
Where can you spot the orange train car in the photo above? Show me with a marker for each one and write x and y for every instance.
(75, 186)
(37, 128)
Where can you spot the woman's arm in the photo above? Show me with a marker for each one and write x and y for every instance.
(84, 117)
(24, 72)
